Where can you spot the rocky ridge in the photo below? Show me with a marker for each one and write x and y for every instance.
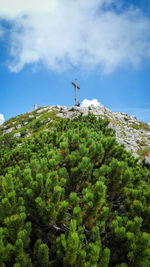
(135, 135)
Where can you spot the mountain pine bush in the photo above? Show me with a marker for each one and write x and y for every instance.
(73, 196)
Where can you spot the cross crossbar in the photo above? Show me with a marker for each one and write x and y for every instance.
(76, 86)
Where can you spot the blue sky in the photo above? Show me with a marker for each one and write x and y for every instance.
(105, 44)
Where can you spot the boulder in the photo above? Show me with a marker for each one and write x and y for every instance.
(9, 130)
(17, 135)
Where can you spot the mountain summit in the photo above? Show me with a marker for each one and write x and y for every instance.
(134, 134)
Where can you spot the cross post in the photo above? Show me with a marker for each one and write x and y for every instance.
(76, 87)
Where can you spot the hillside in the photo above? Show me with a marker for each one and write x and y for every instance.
(135, 135)
(70, 194)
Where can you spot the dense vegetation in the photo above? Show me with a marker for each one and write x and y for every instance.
(73, 196)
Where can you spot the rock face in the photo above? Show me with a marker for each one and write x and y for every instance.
(133, 134)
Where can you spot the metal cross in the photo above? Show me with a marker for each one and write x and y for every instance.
(76, 87)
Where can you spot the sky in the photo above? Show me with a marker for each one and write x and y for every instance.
(46, 44)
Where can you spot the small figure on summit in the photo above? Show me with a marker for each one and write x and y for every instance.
(76, 87)
(35, 106)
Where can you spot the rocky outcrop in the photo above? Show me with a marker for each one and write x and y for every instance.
(135, 135)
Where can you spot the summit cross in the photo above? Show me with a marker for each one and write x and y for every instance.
(76, 87)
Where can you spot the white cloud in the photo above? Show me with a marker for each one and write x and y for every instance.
(1, 119)
(13, 8)
(94, 102)
(64, 33)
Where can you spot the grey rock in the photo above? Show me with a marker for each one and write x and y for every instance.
(5, 127)
(37, 117)
(28, 135)
(62, 115)
(19, 145)
(43, 109)
(58, 106)
(9, 130)
(18, 126)
(17, 134)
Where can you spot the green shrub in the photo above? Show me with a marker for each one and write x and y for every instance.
(73, 196)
